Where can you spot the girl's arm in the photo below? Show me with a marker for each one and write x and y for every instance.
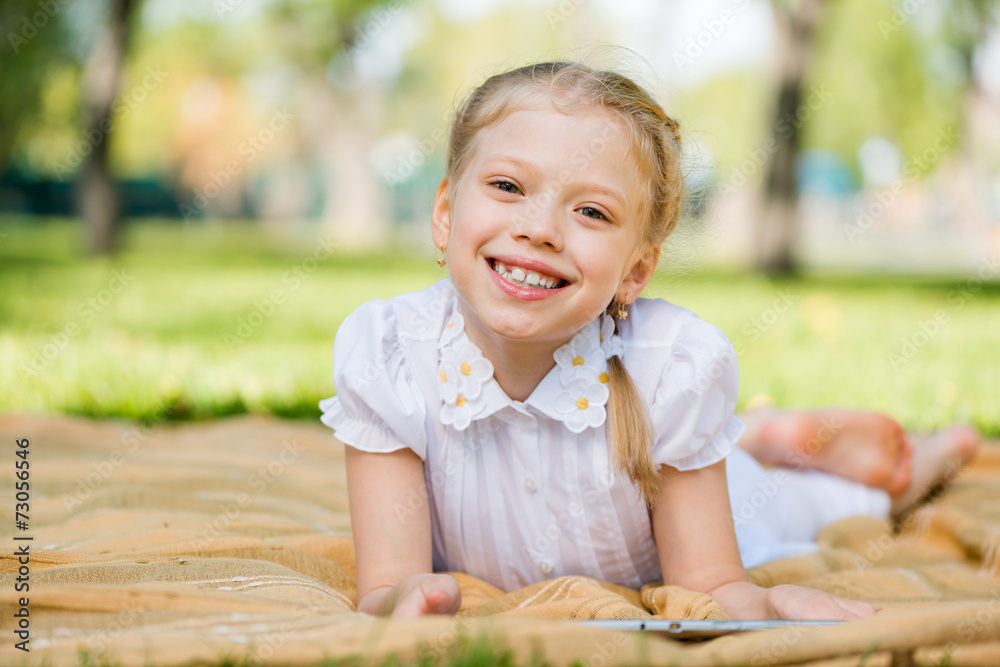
(390, 521)
(696, 541)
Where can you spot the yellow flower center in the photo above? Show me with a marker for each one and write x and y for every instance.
(582, 404)
(442, 376)
(603, 377)
(578, 361)
(451, 325)
(460, 401)
(466, 368)
(600, 337)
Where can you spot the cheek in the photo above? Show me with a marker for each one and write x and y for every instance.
(605, 256)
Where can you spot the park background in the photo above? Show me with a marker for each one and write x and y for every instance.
(193, 195)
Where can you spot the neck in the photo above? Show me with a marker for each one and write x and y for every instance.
(518, 366)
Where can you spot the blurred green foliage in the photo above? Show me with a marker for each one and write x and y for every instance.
(890, 71)
(169, 344)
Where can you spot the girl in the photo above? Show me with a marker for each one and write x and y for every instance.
(530, 416)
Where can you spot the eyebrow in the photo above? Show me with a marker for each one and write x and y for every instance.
(590, 186)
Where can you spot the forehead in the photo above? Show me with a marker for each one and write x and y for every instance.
(590, 139)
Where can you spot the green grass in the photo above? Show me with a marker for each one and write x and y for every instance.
(465, 651)
(169, 344)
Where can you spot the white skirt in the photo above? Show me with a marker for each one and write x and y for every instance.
(779, 511)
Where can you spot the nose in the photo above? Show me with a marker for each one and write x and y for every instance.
(540, 222)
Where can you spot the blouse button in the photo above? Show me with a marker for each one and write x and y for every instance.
(529, 484)
(544, 567)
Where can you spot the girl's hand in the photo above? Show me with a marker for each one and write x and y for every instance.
(743, 600)
(417, 595)
(805, 604)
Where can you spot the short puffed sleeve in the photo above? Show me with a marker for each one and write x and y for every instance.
(693, 410)
(378, 406)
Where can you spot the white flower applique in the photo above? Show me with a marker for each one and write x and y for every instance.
(611, 343)
(462, 373)
(583, 372)
(582, 404)
(579, 352)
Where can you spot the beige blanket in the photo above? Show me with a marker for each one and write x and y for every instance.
(229, 540)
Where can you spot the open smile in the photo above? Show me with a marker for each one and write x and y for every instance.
(524, 279)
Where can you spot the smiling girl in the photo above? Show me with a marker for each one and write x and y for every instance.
(549, 420)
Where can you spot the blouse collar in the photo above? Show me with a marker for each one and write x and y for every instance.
(574, 392)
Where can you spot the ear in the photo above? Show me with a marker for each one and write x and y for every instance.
(441, 216)
(638, 275)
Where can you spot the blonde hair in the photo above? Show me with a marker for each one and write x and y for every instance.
(656, 144)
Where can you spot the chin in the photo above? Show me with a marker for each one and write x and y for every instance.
(513, 328)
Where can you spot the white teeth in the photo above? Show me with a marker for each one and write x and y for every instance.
(518, 276)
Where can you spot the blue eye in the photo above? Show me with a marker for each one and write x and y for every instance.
(505, 186)
(592, 212)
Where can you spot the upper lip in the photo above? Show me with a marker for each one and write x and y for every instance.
(531, 265)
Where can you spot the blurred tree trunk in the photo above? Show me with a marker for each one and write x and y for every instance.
(353, 208)
(971, 22)
(777, 226)
(340, 126)
(99, 201)
(341, 111)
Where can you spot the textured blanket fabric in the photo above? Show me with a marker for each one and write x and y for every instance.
(189, 544)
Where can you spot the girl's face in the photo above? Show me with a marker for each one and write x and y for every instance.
(542, 229)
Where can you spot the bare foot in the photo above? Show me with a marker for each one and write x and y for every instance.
(866, 447)
(937, 459)
(425, 594)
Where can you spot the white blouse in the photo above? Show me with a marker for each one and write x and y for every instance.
(525, 491)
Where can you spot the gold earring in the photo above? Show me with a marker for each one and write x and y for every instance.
(622, 313)
(441, 260)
